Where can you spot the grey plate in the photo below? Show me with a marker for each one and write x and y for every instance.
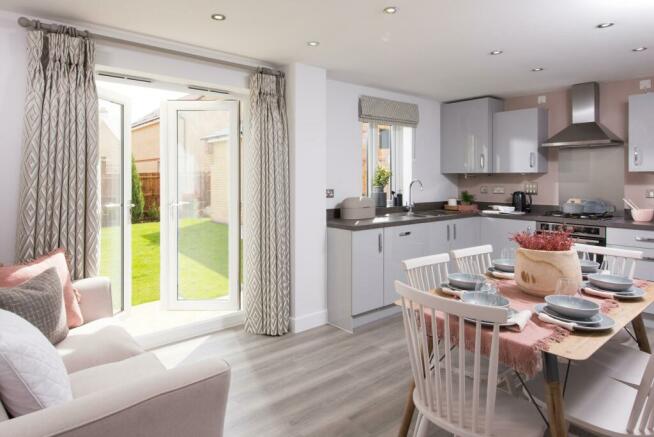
(504, 264)
(572, 306)
(486, 288)
(605, 324)
(610, 282)
(485, 299)
(543, 307)
(466, 281)
(632, 293)
(512, 313)
(588, 266)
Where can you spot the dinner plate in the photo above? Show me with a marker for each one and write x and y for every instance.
(588, 266)
(632, 293)
(504, 264)
(543, 307)
(485, 288)
(512, 313)
(466, 281)
(605, 324)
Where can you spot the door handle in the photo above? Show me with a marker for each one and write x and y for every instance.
(647, 258)
(454, 226)
(448, 232)
(405, 234)
(532, 159)
(636, 156)
(112, 205)
(380, 244)
(645, 239)
(482, 160)
(177, 204)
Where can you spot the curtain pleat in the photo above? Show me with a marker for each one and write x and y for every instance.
(59, 184)
(267, 259)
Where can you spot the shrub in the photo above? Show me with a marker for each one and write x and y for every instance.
(138, 200)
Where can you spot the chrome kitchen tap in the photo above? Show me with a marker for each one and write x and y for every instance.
(411, 204)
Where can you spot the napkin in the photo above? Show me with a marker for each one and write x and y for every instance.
(547, 319)
(598, 293)
(521, 318)
(502, 275)
(452, 292)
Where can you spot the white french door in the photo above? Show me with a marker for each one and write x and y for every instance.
(114, 143)
(200, 217)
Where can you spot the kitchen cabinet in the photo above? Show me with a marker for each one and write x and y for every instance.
(464, 232)
(517, 136)
(467, 135)
(497, 232)
(400, 243)
(641, 132)
(635, 240)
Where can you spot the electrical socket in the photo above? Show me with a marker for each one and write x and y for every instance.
(645, 84)
(531, 188)
(330, 193)
(483, 189)
(542, 99)
(498, 190)
(649, 194)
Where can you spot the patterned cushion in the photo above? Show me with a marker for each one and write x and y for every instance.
(40, 302)
(32, 375)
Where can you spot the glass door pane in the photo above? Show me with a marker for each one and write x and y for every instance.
(204, 195)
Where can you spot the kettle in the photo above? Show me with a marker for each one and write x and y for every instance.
(521, 201)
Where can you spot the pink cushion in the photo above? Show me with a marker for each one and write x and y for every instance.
(17, 274)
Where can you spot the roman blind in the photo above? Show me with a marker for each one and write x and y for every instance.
(374, 109)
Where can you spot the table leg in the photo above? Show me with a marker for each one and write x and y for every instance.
(641, 334)
(554, 396)
(408, 411)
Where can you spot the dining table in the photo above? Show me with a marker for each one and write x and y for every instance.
(576, 346)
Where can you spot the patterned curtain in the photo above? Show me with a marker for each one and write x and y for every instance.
(59, 202)
(267, 261)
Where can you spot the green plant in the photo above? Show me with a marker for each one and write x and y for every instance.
(382, 176)
(467, 197)
(138, 200)
(152, 214)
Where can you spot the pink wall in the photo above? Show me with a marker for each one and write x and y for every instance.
(613, 114)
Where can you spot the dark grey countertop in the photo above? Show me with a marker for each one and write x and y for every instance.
(390, 220)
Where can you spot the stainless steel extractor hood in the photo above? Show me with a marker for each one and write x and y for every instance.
(585, 130)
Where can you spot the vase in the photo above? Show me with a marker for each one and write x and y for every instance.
(537, 271)
(379, 196)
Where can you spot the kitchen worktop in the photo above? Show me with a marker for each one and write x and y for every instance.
(398, 219)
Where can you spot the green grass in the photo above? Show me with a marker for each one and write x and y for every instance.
(203, 260)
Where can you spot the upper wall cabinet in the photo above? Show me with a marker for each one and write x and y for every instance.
(641, 132)
(517, 136)
(467, 135)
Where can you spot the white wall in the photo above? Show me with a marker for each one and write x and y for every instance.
(306, 89)
(344, 170)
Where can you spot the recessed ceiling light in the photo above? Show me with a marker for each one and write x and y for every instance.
(604, 25)
(639, 49)
(313, 43)
(390, 10)
(537, 69)
(496, 52)
(218, 17)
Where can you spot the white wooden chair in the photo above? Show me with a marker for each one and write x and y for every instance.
(603, 405)
(475, 260)
(442, 396)
(427, 272)
(618, 261)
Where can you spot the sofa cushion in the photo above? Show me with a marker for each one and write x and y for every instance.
(17, 274)
(32, 375)
(40, 302)
(3, 413)
(112, 375)
(96, 343)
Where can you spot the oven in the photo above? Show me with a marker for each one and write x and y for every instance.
(582, 234)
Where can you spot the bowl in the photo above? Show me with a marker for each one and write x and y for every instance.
(642, 215)
(610, 282)
(505, 209)
(588, 266)
(485, 299)
(572, 306)
(467, 281)
(504, 264)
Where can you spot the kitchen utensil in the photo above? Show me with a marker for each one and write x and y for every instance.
(588, 266)
(542, 307)
(610, 282)
(521, 201)
(629, 203)
(466, 281)
(504, 264)
(606, 323)
(485, 299)
(451, 202)
(572, 306)
(642, 214)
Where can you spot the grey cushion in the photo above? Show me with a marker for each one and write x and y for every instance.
(40, 301)
(3, 413)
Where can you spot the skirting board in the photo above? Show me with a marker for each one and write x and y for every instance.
(313, 320)
(196, 329)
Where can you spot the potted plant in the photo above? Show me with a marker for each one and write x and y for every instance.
(466, 202)
(542, 259)
(382, 176)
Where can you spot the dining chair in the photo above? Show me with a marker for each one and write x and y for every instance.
(620, 262)
(442, 395)
(475, 260)
(427, 272)
(603, 405)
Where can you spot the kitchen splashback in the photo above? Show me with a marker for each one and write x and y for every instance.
(592, 173)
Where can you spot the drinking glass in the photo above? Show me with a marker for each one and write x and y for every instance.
(567, 287)
(508, 253)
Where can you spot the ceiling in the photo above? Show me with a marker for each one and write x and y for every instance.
(437, 48)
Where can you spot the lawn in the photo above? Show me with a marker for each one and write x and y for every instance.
(203, 260)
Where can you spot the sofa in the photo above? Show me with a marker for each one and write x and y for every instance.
(121, 390)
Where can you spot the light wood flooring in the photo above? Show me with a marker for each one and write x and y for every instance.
(322, 382)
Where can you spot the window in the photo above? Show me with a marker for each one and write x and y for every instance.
(391, 147)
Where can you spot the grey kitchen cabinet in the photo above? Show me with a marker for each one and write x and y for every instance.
(497, 232)
(517, 136)
(641, 132)
(464, 232)
(467, 135)
(400, 243)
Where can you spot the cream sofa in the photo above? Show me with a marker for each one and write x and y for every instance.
(121, 390)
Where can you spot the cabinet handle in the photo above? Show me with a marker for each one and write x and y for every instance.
(448, 232)
(645, 239)
(532, 159)
(482, 160)
(454, 226)
(404, 234)
(647, 258)
(637, 160)
(380, 244)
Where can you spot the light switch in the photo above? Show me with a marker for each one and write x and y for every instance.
(531, 188)
(330, 193)
(498, 190)
(483, 189)
(542, 99)
(649, 194)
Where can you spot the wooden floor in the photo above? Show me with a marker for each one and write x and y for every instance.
(323, 382)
